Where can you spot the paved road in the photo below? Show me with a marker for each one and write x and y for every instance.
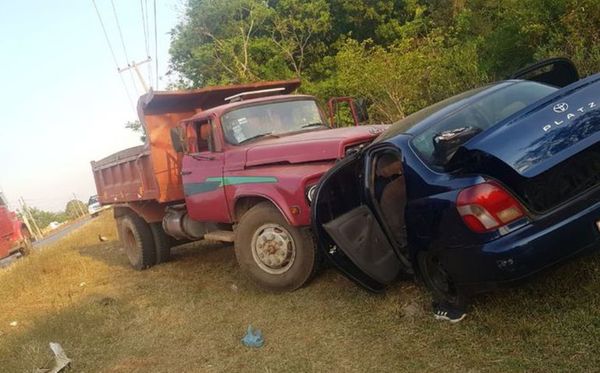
(48, 240)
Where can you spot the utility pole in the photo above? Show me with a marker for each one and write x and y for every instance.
(79, 208)
(28, 216)
(134, 65)
(27, 223)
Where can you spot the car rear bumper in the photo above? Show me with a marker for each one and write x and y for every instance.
(524, 252)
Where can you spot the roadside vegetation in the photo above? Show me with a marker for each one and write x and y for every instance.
(190, 314)
(400, 55)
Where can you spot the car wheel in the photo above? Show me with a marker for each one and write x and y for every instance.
(136, 237)
(27, 246)
(272, 253)
(162, 242)
(437, 280)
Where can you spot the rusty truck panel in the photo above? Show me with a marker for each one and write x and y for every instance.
(125, 176)
(153, 171)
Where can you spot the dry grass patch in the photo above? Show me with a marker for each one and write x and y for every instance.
(189, 315)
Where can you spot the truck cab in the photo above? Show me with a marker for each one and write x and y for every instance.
(14, 235)
(247, 166)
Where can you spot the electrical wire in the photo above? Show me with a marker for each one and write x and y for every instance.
(155, 44)
(112, 52)
(123, 45)
(146, 31)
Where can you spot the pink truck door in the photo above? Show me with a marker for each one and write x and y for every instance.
(202, 175)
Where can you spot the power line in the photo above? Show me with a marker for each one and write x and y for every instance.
(119, 28)
(145, 27)
(123, 43)
(155, 43)
(112, 52)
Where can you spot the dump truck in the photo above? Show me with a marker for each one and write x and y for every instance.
(14, 235)
(236, 164)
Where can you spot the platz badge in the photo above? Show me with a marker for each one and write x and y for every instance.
(563, 107)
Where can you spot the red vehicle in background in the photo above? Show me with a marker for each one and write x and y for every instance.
(235, 164)
(14, 235)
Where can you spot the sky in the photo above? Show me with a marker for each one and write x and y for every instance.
(62, 101)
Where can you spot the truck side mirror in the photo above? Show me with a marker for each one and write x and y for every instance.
(177, 140)
(361, 107)
(346, 111)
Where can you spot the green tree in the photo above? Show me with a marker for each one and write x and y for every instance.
(43, 218)
(75, 208)
(222, 42)
(298, 28)
(401, 55)
(136, 126)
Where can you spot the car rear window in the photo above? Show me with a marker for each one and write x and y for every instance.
(480, 114)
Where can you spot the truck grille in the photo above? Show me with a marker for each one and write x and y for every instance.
(567, 180)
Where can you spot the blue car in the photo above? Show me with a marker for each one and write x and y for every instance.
(484, 188)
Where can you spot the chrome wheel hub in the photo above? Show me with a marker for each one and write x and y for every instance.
(273, 249)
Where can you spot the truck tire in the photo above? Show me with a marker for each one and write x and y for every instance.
(136, 237)
(275, 255)
(163, 243)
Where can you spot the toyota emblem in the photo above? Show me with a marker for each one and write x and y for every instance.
(560, 108)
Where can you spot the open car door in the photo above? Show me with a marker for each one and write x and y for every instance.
(559, 72)
(350, 226)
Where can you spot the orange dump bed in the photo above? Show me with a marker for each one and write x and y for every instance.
(152, 171)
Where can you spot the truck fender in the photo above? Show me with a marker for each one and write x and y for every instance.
(151, 211)
(244, 203)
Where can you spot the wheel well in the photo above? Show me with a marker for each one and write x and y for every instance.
(121, 211)
(243, 204)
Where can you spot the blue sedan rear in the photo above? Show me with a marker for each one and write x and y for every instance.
(484, 188)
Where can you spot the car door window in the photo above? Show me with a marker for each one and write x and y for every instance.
(389, 195)
(205, 137)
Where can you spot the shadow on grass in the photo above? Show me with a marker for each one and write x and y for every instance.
(113, 254)
(562, 287)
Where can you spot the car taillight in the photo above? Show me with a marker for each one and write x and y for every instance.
(486, 207)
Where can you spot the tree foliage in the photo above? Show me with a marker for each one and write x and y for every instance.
(136, 126)
(75, 209)
(44, 218)
(400, 54)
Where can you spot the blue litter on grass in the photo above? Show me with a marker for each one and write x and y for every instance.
(253, 338)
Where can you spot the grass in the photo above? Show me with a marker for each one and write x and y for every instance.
(189, 315)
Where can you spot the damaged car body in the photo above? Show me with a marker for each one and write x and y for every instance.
(484, 188)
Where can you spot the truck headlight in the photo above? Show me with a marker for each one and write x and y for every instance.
(310, 193)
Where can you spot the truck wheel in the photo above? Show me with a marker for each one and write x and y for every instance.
(136, 236)
(27, 246)
(273, 254)
(163, 243)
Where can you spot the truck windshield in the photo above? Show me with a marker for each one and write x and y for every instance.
(274, 118)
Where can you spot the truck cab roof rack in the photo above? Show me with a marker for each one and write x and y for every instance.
(254, 94)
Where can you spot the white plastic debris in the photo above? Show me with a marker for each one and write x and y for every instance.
(61, 361)
(82, 284)
(14, 323)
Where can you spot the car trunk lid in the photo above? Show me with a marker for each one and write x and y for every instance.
(548, 132)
